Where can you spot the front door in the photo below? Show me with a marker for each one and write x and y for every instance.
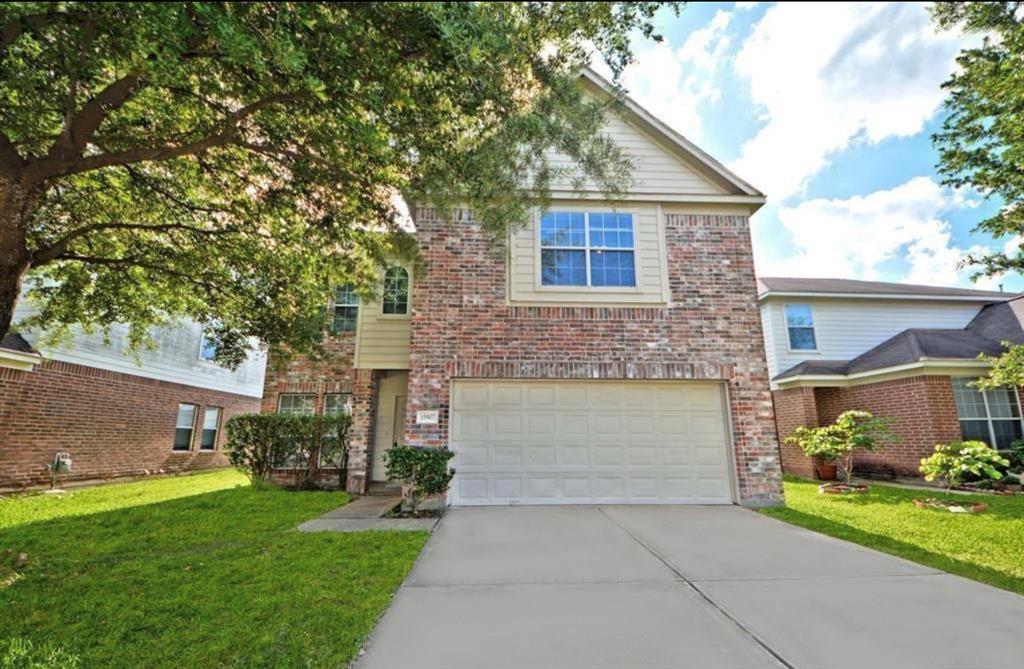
(390, 421)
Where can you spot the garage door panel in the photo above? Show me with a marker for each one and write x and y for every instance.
(588, 442)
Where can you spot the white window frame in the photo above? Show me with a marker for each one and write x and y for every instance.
(216, 428)
(202, 346)
(989, 419)
(586, 248)
(280, 402)
(408, 304)
(191, 428)
(347, 404)
(334, 305)
(814, 328)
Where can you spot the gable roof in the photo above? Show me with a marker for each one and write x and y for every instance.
(12, 341)
(673, 139)
(851, 288)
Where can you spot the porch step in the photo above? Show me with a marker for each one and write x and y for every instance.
(388, 488)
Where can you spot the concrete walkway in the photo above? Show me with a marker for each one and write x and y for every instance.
(619, 587)
(366, 513)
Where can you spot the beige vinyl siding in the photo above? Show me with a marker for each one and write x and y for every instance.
(382, 340)
(649, 247)
(846, 328)
(657, 169)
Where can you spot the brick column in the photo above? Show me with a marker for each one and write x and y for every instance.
(795, 407)
(364, 409)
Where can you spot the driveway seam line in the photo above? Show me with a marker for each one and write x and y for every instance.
(705, 596)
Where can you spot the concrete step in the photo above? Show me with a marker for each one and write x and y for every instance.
(384, 488)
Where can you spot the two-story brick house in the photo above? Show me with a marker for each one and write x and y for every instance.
(611, 353)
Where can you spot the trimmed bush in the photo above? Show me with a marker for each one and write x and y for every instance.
(422, 471)
(259, 443)
(954, 461)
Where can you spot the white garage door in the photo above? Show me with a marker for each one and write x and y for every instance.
(586, 442)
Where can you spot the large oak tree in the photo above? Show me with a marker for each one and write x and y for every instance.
(231, 162)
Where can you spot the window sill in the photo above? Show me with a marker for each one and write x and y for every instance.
(613, 290)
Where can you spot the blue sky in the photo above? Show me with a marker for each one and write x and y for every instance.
(828, 108)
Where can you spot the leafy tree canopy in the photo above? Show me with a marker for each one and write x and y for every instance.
(981, 144)
(231, 162)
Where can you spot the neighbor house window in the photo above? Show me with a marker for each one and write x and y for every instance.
(334, 404)
(207, 348)
(587, 249)
(211, 423)
(345, 310)
(184, 427)
(800, 324)
(396, 291)
(991, 416)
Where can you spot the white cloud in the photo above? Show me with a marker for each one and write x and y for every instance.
(856, 237)
(746, 5)
(673, 84)
(828, 74)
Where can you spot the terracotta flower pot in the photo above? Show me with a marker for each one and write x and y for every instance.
(827, 471)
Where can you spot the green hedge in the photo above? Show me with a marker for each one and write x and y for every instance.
(259, 443)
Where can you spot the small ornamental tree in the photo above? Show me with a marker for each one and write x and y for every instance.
(852, 431)
(952, 462)
(422, 471)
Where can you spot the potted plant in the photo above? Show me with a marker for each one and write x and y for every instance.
(951, 463)
(852, 431)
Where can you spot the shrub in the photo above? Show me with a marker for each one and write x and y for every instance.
(259, 443)
(1016, 456)
(422, 471)
(18, 653)
(853, 430)
(954, 461)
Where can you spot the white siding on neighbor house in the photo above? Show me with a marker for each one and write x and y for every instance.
(174, 357)
(648, 258)
(846, 328)
(657, 169)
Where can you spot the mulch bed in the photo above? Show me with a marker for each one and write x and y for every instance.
(843, 488)
(953, 506)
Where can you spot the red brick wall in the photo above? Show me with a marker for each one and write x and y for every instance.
(462, 326)
(794, 407)
(330, 373)
(113, 424)
(923, 410)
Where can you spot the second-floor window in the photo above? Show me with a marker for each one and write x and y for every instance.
(396, 291)
(207, 348)
(345, 310)
(800, 326)
(587, 249)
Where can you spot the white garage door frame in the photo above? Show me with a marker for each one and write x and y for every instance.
(722, 391)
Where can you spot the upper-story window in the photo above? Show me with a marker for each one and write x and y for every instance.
(800, 324)
(207, 348)
(587, 249)
(991, 416)
(345, 310)
(396, 291)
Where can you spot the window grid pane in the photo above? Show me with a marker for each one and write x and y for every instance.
(297, 404)
(573, 243)
(184, 426)
(337, 403)
(207, 348)
(969, 401)
(612, 268)
(396, 291)
(802, 339)
(563, 268)
(211, 422)
(562, 229)
(991, 416)
(346, 310)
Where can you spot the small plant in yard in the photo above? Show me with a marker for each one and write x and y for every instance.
(19, 653)
(259, 443)
(852, 431)
(422, 471)
(951, 463)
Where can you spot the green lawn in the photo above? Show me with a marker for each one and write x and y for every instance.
(987, 547)
(200, 570)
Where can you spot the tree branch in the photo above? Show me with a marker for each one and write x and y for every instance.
(135, 262)
(83, 125)
(56, 251)
(224, 134)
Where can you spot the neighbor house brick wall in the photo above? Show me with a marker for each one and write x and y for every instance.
(795, 407)
(331, 372)
(463, 326)
(923, 412)
(112, 424)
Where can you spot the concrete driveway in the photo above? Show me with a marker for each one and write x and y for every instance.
(603, 587)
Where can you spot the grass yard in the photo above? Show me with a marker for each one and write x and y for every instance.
(986, 547)
(200, 570)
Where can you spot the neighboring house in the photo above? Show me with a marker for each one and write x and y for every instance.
(116, 412)
(611, 353)
(904, 351)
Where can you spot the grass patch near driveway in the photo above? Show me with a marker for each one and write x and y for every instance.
(208, 573)
(985, 547)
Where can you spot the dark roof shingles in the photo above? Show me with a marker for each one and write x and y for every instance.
(850, 286)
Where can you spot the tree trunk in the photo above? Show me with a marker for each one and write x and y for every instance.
(16, 203)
